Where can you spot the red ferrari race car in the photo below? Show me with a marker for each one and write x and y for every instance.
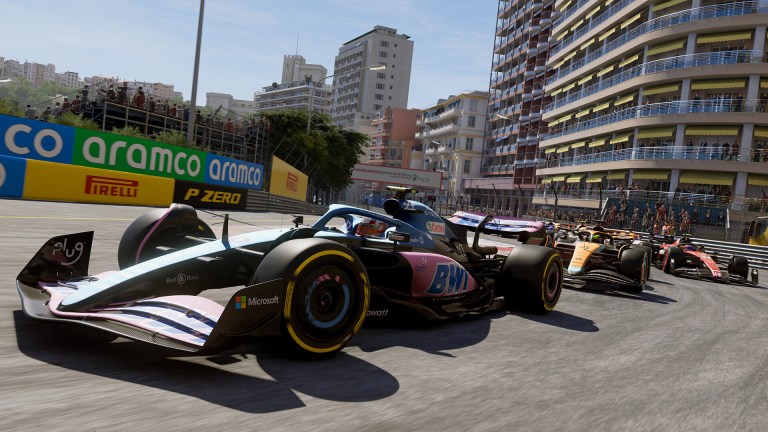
(683, 257)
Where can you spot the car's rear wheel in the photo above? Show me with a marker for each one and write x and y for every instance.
(674, 259)
(532, 279)
(163, 227)
(739, 265)
(633, 263)
(326, 293)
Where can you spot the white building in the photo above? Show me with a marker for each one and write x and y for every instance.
(295, 95)
(360, 93)
(229, 103)
(451, 136)
(295, 68)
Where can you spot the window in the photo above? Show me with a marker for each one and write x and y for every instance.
(390, 87)
(467, 166)
(379, 96)
(376, 107)
(381, 75)
(469, 143)
(380, 86)
(383, 54)
(473, 105)
(394, 55)
(393, 153)
(471, 121)
(385, 44)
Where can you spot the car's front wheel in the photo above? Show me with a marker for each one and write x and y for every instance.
(532, 279)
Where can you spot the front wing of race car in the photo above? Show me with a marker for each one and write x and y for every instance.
(58, 273)
(719, 275)
(599, 275)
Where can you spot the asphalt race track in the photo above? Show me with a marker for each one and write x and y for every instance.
(684, 355)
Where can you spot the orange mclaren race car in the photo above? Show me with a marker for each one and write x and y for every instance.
(597, 257)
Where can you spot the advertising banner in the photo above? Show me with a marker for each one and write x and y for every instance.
(398, 176)
(12, 171)
(232, 172)
(59, 182)
(208, 196)
(287, 181)
(137, 155)
(31, 139)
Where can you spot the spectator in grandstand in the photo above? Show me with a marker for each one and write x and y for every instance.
(737, 103)
(152, 104)
(76, 104)
(185, 114)
(735, 150)
(707, 217)
(66, 105)
(56, 110)
(715, 150)
(46, 114)
(703, 149)
(229, 127)
(172, 112)
(139, 98)
(122, 94)
(84, 95)
(30, 112)
(111, 95)
(725, 151)
(689, 148)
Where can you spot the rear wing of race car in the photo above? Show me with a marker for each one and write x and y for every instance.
(524, 230)
(63, 257)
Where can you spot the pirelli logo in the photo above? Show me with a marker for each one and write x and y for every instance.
(110, 186)
(292, 182)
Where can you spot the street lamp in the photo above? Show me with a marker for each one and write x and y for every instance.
(193, 102)
(312, 88)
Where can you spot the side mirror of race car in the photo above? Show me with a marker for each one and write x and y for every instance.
(396, 236)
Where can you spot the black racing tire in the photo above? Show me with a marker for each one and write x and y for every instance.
(161, 227)
(325, 297)
(674, 259)
(649, 256)
(634, 264)
(649, 245)
(532, 279)
(739, 266)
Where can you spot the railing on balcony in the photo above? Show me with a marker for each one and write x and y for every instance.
(594, 22)
(665, 108)
(670, 63)
(714, 11)
(648, 153)
(568, 12)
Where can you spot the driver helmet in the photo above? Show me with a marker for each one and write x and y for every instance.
(596, 238)
(689, 247)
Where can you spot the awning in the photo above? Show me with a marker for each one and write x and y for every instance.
(582, 113)
(578, 144)
(631, 20)
(602, 106)
(595, 178)
(550, 150)
(560, 119)
(575, 178)
(712, 130)
(650, 175)
(556, 92)
(671, 46)
(577, 24)
(617, 175)
(606, 34)
(585, 79)
(661, 89)
(718, 84)
(559, 178)
(561, 35)
(621, 138)
(587, 43)
(558, 64)
(606, 70)
(569, 56)
(594, 11)
(758, 180)
(596, 143)
(763, 83)
(563, 6)
(707, 177)
(564, 149)
(625, 99)
(664, 132)
(569, 86)
(724, 37)
(629, 60)
(546, 180)
(668, 4)
(761, 132)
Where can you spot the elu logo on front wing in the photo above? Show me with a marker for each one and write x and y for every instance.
(449, 279)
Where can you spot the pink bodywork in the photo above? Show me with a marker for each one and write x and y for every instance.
(438, 276)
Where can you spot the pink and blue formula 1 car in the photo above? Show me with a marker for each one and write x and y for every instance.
(311, 286)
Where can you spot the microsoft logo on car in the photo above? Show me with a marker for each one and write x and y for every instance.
(242, 302)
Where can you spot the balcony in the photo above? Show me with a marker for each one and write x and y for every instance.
(594, 22)
(649, 153)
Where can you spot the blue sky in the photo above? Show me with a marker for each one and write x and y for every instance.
(244, 41)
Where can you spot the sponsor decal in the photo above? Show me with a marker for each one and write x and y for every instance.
(449, 278)
(287, 181)
(137, 155)
(181, 279)
(31, 139)
(73, 253)
(436, 228)
(232, 172)
(109, 186)
(242, 302)
(378, 313)
(421, 266)
(203, 195)
(12, 173)
(292, 182)
(403, 176)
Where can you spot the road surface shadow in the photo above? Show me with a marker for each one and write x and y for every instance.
(614, 291)
(340, 377)
(563, 320)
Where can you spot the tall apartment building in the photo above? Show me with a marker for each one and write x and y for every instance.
(518, 74)
(296, 95)
(394, 137)
(358, 93)
(451, 138)
(229, 103)
(663, 95)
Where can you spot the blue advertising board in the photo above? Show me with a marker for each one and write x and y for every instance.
(232, 172)
(12, 173)
(32, 139)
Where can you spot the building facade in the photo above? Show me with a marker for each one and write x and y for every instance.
(516, 99)
(663, 96)
(297, 95)
(359, 93)
(394, 137)
(295, 68)
(451, 138)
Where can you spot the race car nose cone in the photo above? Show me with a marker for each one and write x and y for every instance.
(575, 270)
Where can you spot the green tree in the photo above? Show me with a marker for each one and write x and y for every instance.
(8, 107)
(174, 138)
(129, 131)
(71, 119)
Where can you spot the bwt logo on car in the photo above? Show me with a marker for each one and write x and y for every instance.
(108, 186)
(242, 302)
(449, 279)
(233, 172)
